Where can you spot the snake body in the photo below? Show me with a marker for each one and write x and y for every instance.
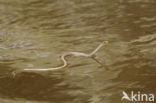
(63, 58)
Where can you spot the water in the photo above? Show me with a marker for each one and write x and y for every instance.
(34, 33)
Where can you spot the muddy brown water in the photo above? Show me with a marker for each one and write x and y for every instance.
(34, 33)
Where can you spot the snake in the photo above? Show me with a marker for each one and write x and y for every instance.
(63, 58)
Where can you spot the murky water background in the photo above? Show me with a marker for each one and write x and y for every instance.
(34, 33)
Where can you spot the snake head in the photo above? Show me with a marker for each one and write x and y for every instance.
(105, 42)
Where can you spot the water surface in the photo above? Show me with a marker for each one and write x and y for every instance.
(34, 33)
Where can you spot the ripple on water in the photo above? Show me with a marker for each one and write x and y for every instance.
(34, 33)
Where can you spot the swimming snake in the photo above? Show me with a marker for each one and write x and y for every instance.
(63, 58)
